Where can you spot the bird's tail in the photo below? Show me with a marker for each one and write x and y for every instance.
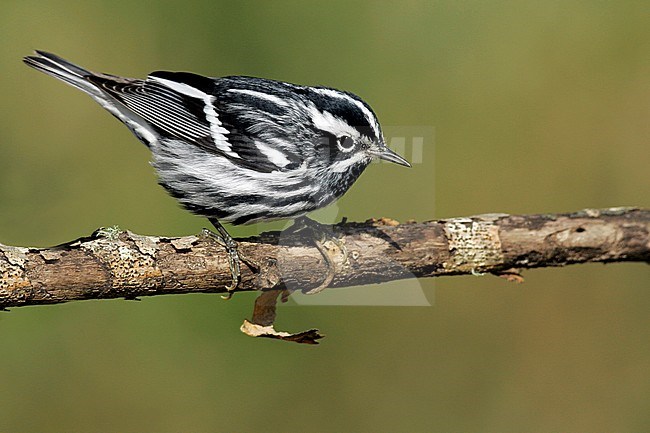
(86, 81)
(62, 69)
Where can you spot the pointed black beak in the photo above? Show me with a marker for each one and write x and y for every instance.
(388, 155)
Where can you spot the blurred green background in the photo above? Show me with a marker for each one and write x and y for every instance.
(536, 107)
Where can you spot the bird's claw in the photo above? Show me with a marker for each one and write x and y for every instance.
(319, 238)
(234, 257)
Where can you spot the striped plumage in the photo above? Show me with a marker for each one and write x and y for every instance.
(239, 149)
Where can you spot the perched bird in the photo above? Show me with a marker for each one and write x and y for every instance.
(239, 149)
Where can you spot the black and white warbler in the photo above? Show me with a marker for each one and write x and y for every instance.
(239, 149)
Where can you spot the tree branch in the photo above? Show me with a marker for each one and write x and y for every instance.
(113, 264)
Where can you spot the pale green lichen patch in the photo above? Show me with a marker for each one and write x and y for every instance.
(129, 267)
(15, 255)
(111, 233)
(12, 268)
(473, 244)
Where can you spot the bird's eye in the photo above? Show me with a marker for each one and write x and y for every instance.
(345, 143)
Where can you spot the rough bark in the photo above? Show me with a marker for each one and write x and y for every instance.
(112, 263)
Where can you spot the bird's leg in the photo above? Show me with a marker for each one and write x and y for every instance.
(320, 233)
(235, 257)
(319, 237)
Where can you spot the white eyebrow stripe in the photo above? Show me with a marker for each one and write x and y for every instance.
(217, 131)
(372, 120)
(261, 95)
(326, 121)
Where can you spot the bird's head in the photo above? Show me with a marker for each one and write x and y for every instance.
(348, 131)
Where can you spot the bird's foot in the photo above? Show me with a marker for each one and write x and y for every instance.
(320, 236)
(235, 257)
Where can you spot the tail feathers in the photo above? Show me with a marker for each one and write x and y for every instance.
(57, 67)
(62, 63)
(82, 79)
